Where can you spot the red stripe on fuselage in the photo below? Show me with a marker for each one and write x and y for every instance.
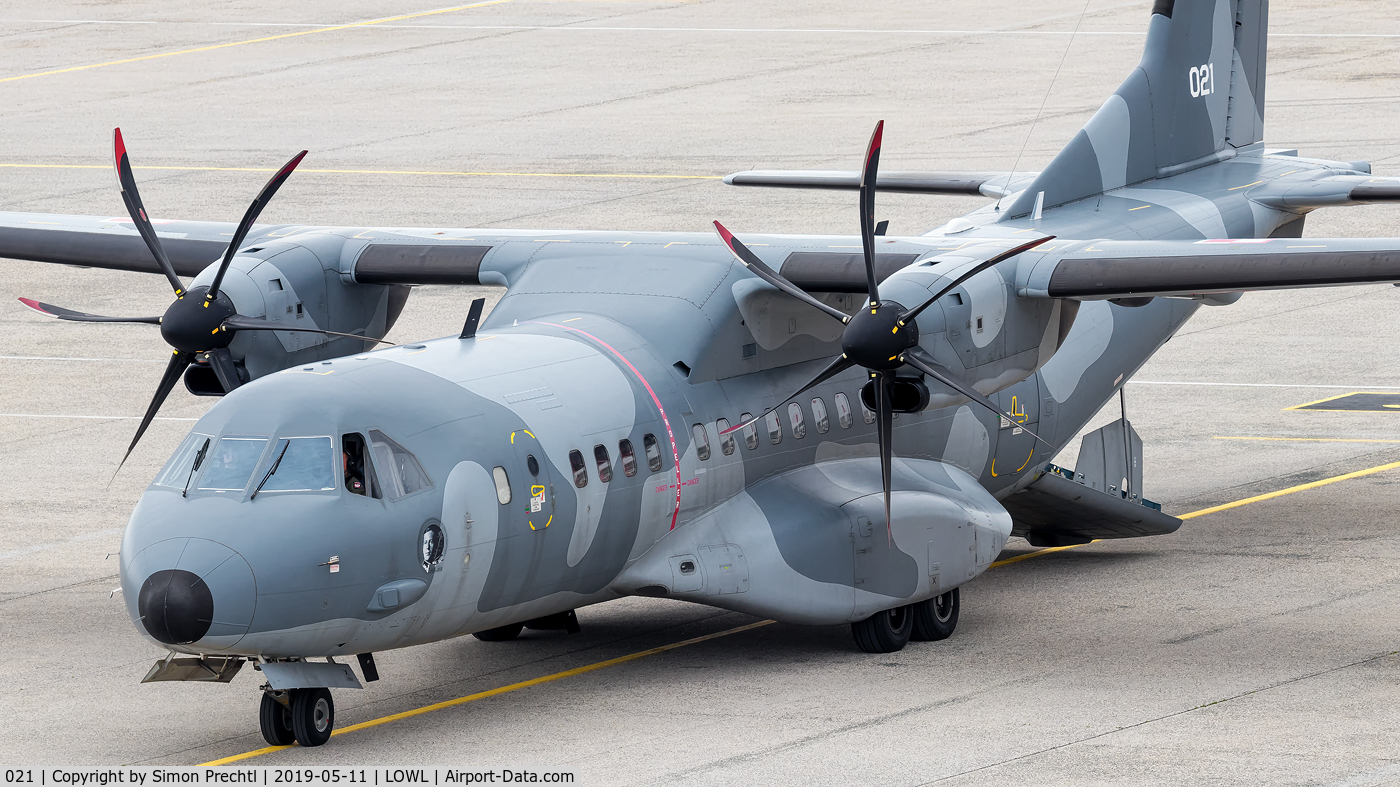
(670, 435)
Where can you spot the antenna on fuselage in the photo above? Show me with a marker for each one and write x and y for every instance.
(473, 317)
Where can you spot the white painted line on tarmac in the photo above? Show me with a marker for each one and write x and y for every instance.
(722, 30)
(60, 358)
(1270, 385)
(29, 550)
(93, 417)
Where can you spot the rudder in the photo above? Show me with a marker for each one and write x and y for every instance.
(1196, 96)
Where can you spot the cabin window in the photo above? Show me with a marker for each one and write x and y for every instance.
(628, 457)
(580, 470)
(502, 480)
(843, 411)
(799, 427)
(750, 431)
(653, 450)
(819, 417)
(402, 474)
(702, 442)
(185, 462)
(356, 467)
(775, 427)
(232, 463)
(300, 464)
(866, 412)
(726, 441)
(600, 456)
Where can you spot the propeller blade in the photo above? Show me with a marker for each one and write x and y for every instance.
(178, 362)
(473, 318)
(251, 216)
(884, 417)
(49, 310)
(240, 323)
(221, 361)
(976, 269)
(137, 211)
(761, 269)
(921, 360)
(836, 367)
(867, 209)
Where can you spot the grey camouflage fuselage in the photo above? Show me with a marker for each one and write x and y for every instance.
(604, 339)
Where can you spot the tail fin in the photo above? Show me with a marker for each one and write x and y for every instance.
(1196, 96)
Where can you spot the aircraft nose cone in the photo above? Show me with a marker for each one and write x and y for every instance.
(176, 606)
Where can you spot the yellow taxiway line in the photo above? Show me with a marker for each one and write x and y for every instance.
(423, 172)
(212, 47)
(695, 640)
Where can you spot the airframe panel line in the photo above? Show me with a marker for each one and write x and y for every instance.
(481, 695)
(380, 172)
(1224, 507)
(662, 649)
(212, 47)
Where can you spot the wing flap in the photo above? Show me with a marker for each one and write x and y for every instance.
(1101, 269)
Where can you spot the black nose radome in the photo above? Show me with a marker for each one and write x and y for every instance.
(176, 606)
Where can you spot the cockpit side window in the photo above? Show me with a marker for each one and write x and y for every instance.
(231, 463)
(357, 467)
(185, 462)
(402, 475)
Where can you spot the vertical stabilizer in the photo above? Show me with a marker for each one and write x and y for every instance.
(1197, 95)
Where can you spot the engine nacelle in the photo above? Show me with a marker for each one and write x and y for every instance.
(981, 330)
(296, 281)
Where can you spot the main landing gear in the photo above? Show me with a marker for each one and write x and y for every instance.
(304, 716)
(891, 630)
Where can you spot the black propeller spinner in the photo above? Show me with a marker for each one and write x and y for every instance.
(200, 321)
(881, 337)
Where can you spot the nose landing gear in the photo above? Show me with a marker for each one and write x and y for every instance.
(304, 716)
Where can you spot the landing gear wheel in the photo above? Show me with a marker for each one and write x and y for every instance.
(936, 618)
(884, 632)
(276, 721)
(500, 633)
(313, 716)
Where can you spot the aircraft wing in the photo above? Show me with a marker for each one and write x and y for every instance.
(1099, 270)
(984, 184)
(113, 242)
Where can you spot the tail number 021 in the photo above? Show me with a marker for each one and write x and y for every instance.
(1202, 80)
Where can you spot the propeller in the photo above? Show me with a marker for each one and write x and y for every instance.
(201, 321)
(881, 338)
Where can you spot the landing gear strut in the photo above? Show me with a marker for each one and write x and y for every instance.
(304, 716)
(925, 621)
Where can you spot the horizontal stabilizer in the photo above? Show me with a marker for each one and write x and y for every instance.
(1056, 511)
(985, 184)
(1336, 190)
(1126, 269)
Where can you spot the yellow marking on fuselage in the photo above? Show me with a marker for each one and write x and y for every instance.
(1245, 186)
(572, 319)
(675, 243)
(297, 34)
(530, 433)
(1140, 207)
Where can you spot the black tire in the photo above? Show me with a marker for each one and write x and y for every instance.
(884, 632)
(936, 618)
(500, 633)
(313, 716)
(276, 721)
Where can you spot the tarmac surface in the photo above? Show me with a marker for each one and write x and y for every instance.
(1259, 644)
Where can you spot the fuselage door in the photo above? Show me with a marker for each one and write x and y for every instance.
(532, 482)
(1015, 445)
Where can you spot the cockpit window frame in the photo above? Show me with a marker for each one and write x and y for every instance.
(385, 475)
(180, 477)
(264, 474)
(197, 484)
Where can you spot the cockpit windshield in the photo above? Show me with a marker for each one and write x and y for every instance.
(184, 463)
(300, 464)
(231, 463)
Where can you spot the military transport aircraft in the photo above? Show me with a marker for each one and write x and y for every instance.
(817, 429)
